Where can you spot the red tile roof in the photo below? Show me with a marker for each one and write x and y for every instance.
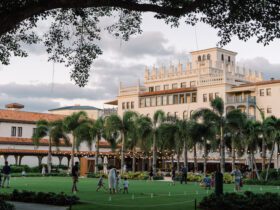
(27, 117)
(26, 141)
(163, 92)
(267, 82)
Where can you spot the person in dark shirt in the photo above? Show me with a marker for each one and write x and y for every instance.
(6, 174)
(184, 175)
(173, 176)
(75, 177)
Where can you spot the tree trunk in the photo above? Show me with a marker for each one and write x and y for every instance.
(205, 158)
(143, 163)
(122, 152)
(256, 168)
(154, 154)
(172, 161)
(49, 160)
(195, 159)
(186, 163)
(232, 155)
(178, 162)
(222, 150)
(270, 160)
(96, 154)
(263, 154)
(73, 150)
(133, 160)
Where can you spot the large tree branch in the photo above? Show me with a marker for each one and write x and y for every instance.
(10, 18)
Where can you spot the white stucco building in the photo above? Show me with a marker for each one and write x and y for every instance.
(179, 90)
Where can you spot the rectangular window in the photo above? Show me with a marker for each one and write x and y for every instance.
(174, 86)
(192, 84)
(151, 89)
(166, 87)
(170, 99)
(164, 100)
(153, 101)
(268, 91)
(182, 99)
(188, 98)
(211, 97)
(132, 105)
(19, 131)
(142, 102)
(183, 85)
(148, 102)
(157, 88)
(261, 92)
(216, 95)
(127, 105)
(34, 131)
(175, 99)
(269, 110)
(204, 97)
(123, 105)
(193, 97)
(14, 131)
(159, 101)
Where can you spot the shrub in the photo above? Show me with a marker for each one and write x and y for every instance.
(246, 201)
(261, 182)
(59, 199)
(273, 174)
(39, 174)
(228, 178)
(6, 206)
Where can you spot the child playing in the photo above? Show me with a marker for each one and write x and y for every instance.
(100, 184)
(118, 187)
(125, 185)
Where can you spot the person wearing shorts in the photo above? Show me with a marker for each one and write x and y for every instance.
(237, 178)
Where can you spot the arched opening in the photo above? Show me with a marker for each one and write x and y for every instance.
(242, 108)
(230, 108)
(185, 115)
(222, 57)
(208, 56)
(204, 57)
(199, 58)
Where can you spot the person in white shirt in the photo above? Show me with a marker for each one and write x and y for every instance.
(125, 185)
(112, 180)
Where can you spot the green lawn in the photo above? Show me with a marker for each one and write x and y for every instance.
(157, 195)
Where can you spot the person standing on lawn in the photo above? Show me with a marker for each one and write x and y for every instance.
(184, 175)
(151, 175)
(100, 183)
(237, 178)
(112, 180)
(6, 174)
(173, 175)
(75, 177)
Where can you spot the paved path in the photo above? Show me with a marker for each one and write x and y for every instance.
(32, 206)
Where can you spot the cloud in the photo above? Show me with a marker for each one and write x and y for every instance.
(262, 65)
(147, 44)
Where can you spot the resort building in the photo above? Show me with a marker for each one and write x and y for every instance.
(180, 90)
(17, 127)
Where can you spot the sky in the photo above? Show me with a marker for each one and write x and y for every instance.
(30, 81)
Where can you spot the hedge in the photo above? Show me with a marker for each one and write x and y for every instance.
(6, 206)
(246, 201)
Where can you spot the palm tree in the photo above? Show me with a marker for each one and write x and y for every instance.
(252, 131)
(72, 124)
(158, 118)
(236, 121)
(215, 116)
(54, 131)
(143, 126)
(184, 129)
(123, 126)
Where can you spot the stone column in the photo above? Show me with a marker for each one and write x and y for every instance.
(16, 159)
(68, 161)
(20, 159)
(60, 159)
(6, 157)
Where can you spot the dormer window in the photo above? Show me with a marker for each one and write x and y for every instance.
(204, 57)
(222, 57)
(199, 58)
(228, 58)
(208, 56)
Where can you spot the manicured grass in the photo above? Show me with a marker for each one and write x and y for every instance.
(157, 195)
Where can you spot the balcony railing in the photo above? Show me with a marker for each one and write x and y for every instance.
(241, 100)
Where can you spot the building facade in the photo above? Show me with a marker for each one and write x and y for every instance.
(180, 90)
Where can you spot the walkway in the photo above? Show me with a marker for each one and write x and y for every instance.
(33, 206)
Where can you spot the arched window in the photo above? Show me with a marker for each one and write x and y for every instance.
(208, 56)
(185, 115)
(203, 57)
(199, 58)
(222, 57)
(228, 58)
(191, 112)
